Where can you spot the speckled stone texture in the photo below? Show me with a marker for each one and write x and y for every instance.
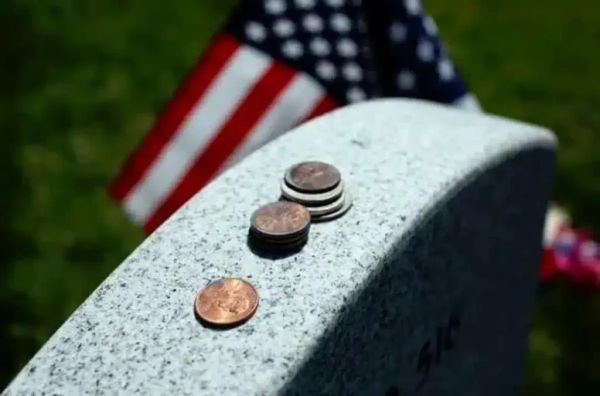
(424, 287)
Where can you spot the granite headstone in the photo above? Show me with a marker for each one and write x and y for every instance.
(424, 287)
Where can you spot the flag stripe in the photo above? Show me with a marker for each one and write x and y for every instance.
(253, 84)
(239, 124)
(222, 98)
(323, 106)
(292, 105)
(175, 112)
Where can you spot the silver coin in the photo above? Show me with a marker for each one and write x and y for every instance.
(329, 208)
(312, 199)
(340, 212)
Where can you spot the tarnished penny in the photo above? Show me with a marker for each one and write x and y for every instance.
(277, 246)
(312, 176)
(277, 241)
(226, 302)
(280, 220)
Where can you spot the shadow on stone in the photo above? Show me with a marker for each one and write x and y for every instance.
(215, 327)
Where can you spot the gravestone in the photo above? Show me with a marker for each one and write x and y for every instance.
(424, 287)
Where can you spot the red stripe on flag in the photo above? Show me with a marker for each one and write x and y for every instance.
(174, 114)
(232, 133)
(323, 106)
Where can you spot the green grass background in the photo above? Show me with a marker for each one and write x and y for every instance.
(81, 81)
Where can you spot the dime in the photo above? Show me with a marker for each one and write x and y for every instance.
(280, 219)
(312, 199)
(329, 208)
(226, 302)
(312, 176)
(340, 212)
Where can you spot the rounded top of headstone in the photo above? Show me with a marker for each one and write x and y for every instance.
(138, 332)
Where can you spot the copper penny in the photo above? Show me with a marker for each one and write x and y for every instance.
(226, 302)
(312, 176)
(280, 219)
(277, 241)
(276, 246)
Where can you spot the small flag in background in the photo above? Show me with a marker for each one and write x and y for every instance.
(275, 65)
(568, 252)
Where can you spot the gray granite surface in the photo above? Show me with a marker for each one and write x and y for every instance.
(424, 287)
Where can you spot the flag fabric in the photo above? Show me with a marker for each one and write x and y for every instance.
(569, 253)
(276, 64)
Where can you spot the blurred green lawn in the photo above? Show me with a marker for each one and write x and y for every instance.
(81, 82)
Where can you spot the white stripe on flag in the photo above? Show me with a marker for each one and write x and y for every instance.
(227, 90)
(292, 105)
(468, 102)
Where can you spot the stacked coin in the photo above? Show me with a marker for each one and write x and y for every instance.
(319, 187)
(280, 226)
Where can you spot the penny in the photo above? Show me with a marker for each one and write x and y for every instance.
(277, 241)
(280, 219)
(276, 246)
(226, 302)
(312, 199)
(338, 213)
(312, 176)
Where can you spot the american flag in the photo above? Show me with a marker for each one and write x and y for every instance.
(276, 64)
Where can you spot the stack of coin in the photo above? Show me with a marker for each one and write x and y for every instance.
(280, 226)
(319, 187)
